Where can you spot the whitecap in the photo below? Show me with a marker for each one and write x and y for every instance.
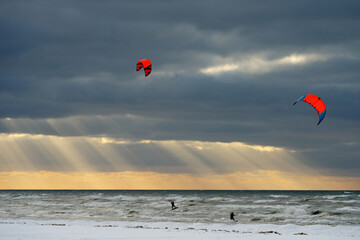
(279, 196)
(335, 196)
(349, 209)
(295, 211)
(265, 201)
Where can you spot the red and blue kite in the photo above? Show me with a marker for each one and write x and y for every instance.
(316, 103)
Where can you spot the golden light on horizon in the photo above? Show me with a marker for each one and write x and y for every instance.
(52, 162)
(257, 180)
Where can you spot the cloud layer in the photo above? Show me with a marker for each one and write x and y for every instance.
(222, 72)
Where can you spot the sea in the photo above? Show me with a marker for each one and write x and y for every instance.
(203, 206)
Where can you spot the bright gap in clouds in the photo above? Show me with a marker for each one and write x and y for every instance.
(41, 161)
(256, 64)
(43, 152)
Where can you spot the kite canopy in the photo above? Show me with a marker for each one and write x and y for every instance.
(316, 103)
(146, 64)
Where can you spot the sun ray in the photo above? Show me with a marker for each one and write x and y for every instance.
(91, 162)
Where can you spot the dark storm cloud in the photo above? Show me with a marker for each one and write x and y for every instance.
(71, 58)
(82, 38)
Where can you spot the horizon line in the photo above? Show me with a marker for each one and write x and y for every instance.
(300, 190)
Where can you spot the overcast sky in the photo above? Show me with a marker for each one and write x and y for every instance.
(224, 72)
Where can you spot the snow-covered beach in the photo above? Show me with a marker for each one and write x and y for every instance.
(74, 230)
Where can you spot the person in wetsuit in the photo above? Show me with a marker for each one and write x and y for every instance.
(232, 215)
(173, 205)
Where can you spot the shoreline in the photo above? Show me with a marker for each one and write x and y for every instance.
(66, 229)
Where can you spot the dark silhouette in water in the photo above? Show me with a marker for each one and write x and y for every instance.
(173, 205)
(232, 217)
(316, 212)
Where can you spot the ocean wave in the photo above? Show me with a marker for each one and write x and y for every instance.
(98, 204)
(218, 199)
(5, 195)
(349, 209)
(49, 204)
(92, 196)
(343, 201)
(265, 201)
(193, 207)
(329, 197)
(298, 211)
(279, 196)
(27, 197)
(116, 197)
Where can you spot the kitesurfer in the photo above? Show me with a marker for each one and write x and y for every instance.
(232, 217)
(173, 205)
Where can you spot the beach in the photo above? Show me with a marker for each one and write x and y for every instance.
(31, 230)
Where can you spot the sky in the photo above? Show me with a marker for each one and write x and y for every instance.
(215, 113)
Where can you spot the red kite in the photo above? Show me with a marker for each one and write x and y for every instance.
(146, 64)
